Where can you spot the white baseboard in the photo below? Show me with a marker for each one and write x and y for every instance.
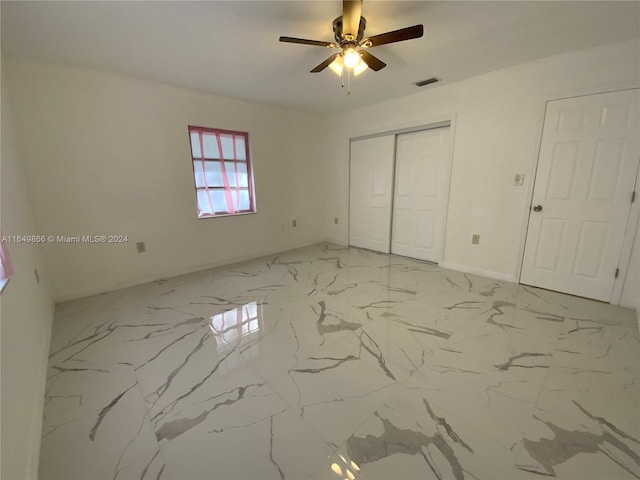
(172, 273)
(633, 306)
(478, 271)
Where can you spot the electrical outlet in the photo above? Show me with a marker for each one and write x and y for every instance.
(518, 180)
(294, 223)
(475, 239)
(141, 247)
(335, 220)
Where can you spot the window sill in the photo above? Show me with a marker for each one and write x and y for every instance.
(225, 215)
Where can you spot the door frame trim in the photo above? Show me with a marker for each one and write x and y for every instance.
(634, 212)
(418, 128)
(627, 247)
(444, 121)
(393, 190)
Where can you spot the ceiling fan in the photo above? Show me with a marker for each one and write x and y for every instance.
(348, 30)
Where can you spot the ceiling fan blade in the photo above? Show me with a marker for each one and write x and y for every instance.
(372, 62)
(396, 36)
(351, 12)
(325, 64)
(304, 41)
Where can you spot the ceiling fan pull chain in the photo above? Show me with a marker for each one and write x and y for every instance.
(348, 81)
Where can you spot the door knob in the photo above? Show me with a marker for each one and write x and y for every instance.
(537, 208)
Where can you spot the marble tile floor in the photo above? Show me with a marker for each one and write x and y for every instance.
(335, 363)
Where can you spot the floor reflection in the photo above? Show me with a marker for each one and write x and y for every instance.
(232, 325)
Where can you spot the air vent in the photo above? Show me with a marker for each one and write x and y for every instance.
(428, 81)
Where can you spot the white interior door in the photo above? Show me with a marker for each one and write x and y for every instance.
(371, 181)
(582, 195)
(421, 192)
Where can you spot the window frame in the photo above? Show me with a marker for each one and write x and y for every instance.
(250, 188)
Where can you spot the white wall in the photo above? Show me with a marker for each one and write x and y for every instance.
(110, 155)
(26, 310)
(498, 123)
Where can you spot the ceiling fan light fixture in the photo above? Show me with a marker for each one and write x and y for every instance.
(351, 58)
(337, 66)
(359, 68)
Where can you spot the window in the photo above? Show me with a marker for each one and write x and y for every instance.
(6, 267)
(222, 172)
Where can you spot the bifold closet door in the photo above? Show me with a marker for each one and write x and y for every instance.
(422, 172)
(371, 186)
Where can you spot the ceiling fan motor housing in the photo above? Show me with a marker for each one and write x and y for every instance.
(337, 30)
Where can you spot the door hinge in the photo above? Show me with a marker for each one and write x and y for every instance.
(633, 197)
(617, 273)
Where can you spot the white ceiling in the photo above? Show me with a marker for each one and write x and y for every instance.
(231, 48)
